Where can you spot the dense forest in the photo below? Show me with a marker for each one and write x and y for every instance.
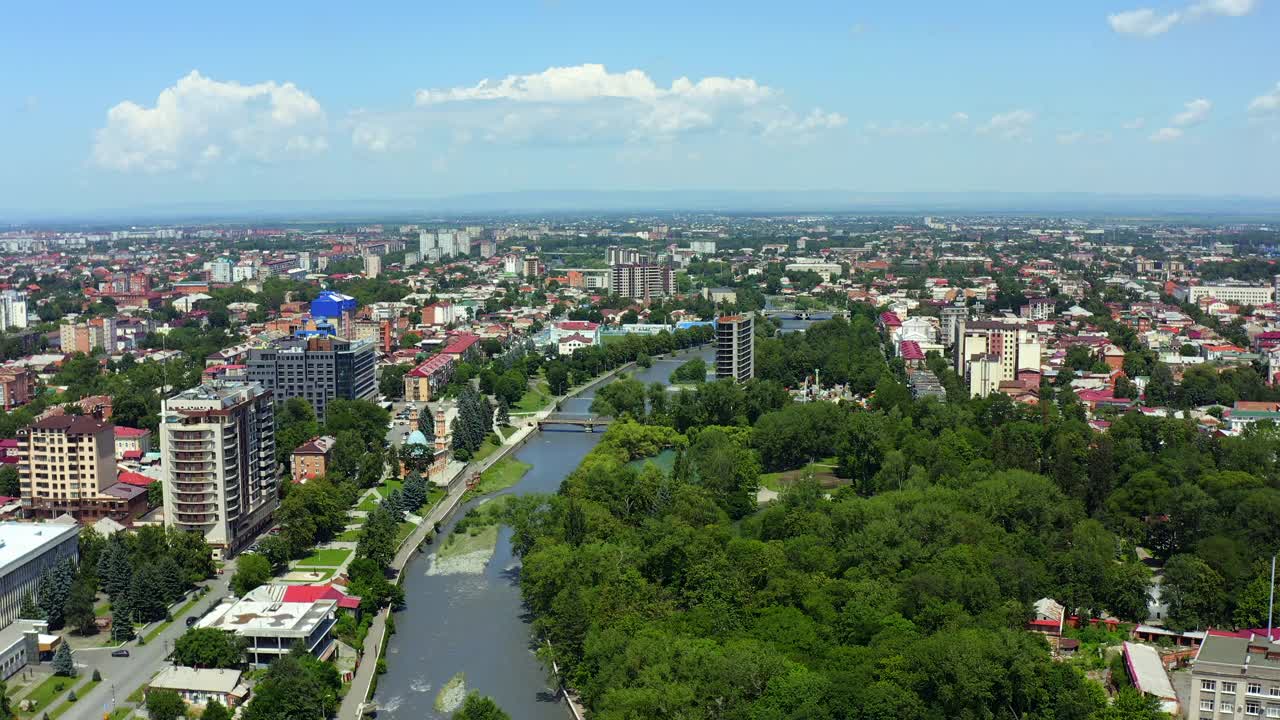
(899, 588)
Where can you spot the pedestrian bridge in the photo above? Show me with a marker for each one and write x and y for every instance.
(571, 422)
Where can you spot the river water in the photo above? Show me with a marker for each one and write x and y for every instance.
(476, 624)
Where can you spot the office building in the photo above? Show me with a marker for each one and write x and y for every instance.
(1236, 674)
(13, 310)
(66, 460)
(317, 368)
(735, 347)
(270, 626)
(641, 281)
(1239, 293)
(218, 454)
(26, 551)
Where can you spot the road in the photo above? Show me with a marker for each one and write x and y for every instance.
(121, 676)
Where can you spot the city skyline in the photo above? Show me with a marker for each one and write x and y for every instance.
(276, 108)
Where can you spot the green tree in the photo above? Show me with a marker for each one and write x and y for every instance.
(10, 486)
(1194, 592)
(480, 707)
(63, 663)
(391, 381)
(165, 705)
(214, 710)
(209, 648)
(30, 610)
(79, 607)
(252, 570)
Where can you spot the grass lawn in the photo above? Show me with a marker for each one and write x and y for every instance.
(349, 536)
(824, 471)
(369, 504)
(120, 713)
(504, 473)
(491, 444)
(403, 531)
(535, 399)
(80, 692)
(388, 485)
(102, 608)
(46, 692)
(475, 539)
(330, 557)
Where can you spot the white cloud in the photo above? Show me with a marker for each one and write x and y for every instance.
(960, 117)
(1143, 21)
(1149, 23)
(1266, 103)
(201, 121)
(588, 103)
(1135, 124)
(1013, 125)
(1167, 134)
(1196, 112)
(900, 129)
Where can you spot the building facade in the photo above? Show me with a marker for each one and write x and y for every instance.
(65, 460)
(422, 383)
(1235, 675)
(26, 551)
(318, 369)
(218, 451)
(641, 281)
(311, 459)
(1240, 294)
(735, 347)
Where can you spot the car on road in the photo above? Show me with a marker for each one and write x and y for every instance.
(120, 653)
(192, 620)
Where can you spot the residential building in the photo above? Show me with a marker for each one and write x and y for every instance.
(618, 255)
(271, 627)
(26, 551)
(735, 347)
(825, 270)
(567, 344)
(422, 383)
(218, 452)
(86, 337)
(65, 459)
(1236, 674)
(463, 347)
(13, 310)
(566, 328)
(17, 386)
(531, 267)
(132, 443)
(641, 281)
(311, 458)
(317, 368)
(1238, 293)
(372, 266)
(197, 686)
(1013, 346)
(703, 247)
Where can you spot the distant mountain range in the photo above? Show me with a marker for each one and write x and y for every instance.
(672, 201)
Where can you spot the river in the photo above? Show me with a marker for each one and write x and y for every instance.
(476, 624)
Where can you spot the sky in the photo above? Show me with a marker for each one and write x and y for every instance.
(299, 105)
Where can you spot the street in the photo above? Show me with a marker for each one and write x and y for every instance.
(122, 676)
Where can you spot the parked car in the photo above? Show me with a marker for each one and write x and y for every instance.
(120, 653)
(192, 620)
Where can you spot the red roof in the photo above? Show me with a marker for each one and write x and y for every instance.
(890, 319)
(431, 365)
(312, 593)
(577, 325)
(910, 350)
(578, 337)
(460, 344)
(132, 455)
(128, 432)
(133, 478)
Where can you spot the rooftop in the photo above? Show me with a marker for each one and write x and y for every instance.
(19, 540)
(210, 680)
(270, 619)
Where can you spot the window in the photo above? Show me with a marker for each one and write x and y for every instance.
(1228, 687)
(1255, 688)
(1252, 708)
(1206, 705)
(1273, 712)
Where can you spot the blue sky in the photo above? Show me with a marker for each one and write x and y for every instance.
(148, 104)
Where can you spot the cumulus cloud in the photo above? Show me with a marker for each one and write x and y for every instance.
(1149, 23)
(1195, 113)
(588, 103)
(1266, 103)
(199, 121)
(959, 117)
(1167, 134)
(1013, 125)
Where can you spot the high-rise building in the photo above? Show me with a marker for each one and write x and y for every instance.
(641, 281)
(372, 266)
(13, 309)
(86, 337)
(65, 460)
(619, 255)
(317, 368)
(990, 352)
(532, 267)
(218, 453)
(735, 347)
(220, 271)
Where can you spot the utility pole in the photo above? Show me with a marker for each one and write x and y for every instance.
(1271, 603)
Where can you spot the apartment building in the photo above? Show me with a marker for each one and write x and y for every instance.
(311, 459)
(218, 452)
(317, 368)
(1235, 675)
(66, 461)
(735, 347)
(641, 281)
(13, 310)
(17, 386)
(425, 381)
(86, 337)
(989, 352)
